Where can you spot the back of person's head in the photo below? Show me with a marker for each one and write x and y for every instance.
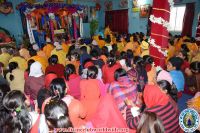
(71, 49)
(57, 115)
(100, 37)
(42, 95)
(32, 52)
(176, 62)
(36, 69)
(119, 73)
(69, 69)
(53, 60)
(81, 41)
(12, 66)
(195, 67)
(83, 49)
(128, 38)
(114, 47)
(104, 51)
(108, 39)
(123, 55)
(150, 123)
(129, 54)
(138, 61)
(111, 61)
(148, 59)
(75, 55)
(58, 88)
(184, 48)
(92, 72)
(4, 89)
(94, 53)
(19, 119)
(170, 89)
(183, 54)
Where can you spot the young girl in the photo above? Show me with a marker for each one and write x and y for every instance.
(4, 89)
(73, 81)
(20, 119)
(77, 112)
(174, 68)
(109, 69)
(57, 115)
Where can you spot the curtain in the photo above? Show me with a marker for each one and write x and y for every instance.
(188, 19)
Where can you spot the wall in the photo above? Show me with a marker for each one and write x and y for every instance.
(12, 22)
(137, 24)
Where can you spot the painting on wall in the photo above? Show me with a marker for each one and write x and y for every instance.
(144, 11)
(6, 7)
(123, 4)
(136, 7)
(108, 5)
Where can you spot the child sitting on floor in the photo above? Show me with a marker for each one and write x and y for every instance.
(174, 68)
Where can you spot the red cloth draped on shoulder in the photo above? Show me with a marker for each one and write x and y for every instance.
(108, 115)
(90, 96)
(153, 96)
(74, 86)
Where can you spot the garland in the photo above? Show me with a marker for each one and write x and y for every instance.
(152, 42)
(165, 24)
(171, 3)
(160, 21)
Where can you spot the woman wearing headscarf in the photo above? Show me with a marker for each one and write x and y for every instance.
(34, 82)
(107, 114)
(158, 102)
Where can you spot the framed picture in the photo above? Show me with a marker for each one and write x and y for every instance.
(135, 6)
(144, 11)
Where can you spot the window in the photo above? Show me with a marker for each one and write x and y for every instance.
(176, 18)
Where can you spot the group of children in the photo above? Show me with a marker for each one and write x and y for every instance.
(109, 82)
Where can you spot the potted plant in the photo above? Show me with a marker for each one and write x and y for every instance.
(93, 26)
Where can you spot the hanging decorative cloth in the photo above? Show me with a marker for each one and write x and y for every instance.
(30, 32)
(81, 26)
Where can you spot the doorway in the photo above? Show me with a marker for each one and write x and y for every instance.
(117, 20)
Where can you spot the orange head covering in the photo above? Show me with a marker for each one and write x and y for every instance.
(153, 96)
(48, 78)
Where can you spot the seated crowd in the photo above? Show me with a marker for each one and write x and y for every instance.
(106, 82)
